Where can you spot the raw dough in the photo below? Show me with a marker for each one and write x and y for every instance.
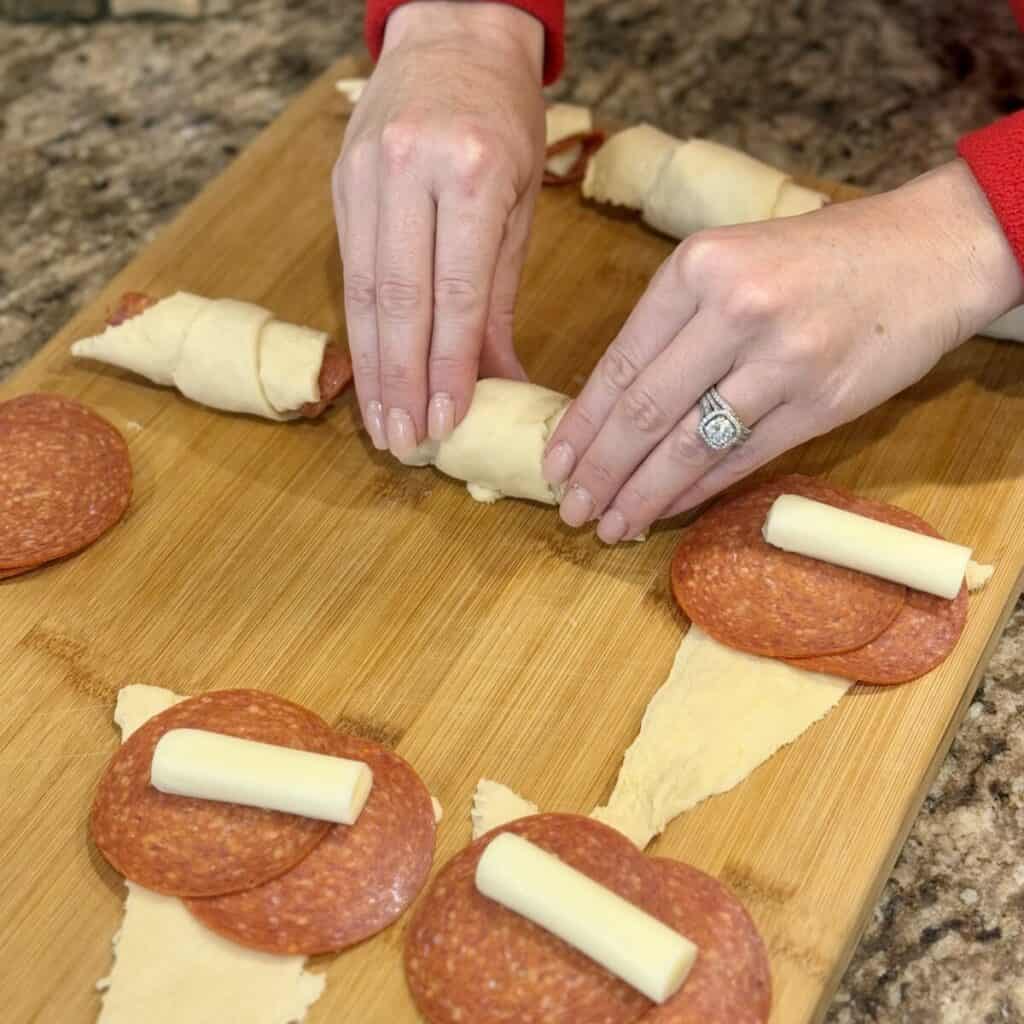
(495, 804)
(438, 810)
(562, 120)
(719, 715)
(498, 447)
(978, 575)
(226, 354)
(351, 88)
(685, 186)
(170, 969)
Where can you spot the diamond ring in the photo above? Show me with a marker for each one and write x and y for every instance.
(720, 428)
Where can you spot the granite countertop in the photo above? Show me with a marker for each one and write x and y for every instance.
(108, 128)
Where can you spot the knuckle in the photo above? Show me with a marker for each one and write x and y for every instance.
(456, 295)
(398, 144)
(450, 364)
(396, 377)
(398, 299)
(360, 292)
(642, 410)
(618, 368)
(751, 301)
(697, 255)
(470, 154)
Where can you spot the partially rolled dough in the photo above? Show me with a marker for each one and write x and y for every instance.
(1010, 326)
(499, 445)
(170, 969)
(562, 120)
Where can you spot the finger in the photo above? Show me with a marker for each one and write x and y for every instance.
(469, 236)
(645, 413)
(405, 306)
(665, 309)
(354, 192)
(683, 457)
(498, 358)
(784, 428)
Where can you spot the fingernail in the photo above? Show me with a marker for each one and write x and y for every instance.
(401, 435)
(558, 463)
(440, 416)
(577, 506)
(374, 419)
(612, 527)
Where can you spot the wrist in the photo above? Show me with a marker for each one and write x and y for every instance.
(495, 26)
(989, 280)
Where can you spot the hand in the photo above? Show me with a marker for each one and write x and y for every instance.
(803, 324)
(433, 195)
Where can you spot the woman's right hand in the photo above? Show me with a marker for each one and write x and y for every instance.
(433, 196)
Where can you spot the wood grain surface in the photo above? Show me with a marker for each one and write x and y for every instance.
(476, 640)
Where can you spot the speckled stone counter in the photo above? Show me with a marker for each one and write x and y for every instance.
(107, 129)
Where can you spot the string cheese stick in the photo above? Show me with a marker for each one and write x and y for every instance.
(212, 766)
(812, 528)
(624, 939)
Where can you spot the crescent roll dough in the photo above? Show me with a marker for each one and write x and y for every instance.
(499, 445)
(223, 353)
(685, 186)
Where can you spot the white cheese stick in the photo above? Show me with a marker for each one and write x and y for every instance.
(615, 933)
(812, 528)
(212, 766)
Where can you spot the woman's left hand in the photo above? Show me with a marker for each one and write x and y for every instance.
(802, 324)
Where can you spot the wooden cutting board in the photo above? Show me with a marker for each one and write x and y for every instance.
(479, 641)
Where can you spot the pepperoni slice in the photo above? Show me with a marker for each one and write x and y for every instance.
(335, 376)
(65, 479)
(730, 982)
(589, 143)
(183, 846)
(354, 883)
(130, 304)
(922, 635)
(757, 598)
(467, 958)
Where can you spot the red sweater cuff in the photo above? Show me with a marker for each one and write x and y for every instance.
(996, 156)
(550, 13)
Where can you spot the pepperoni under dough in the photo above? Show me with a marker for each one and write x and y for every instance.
(468, 958)
(183, 846)
(354, 883)
(922, 635)
(65, 479)
(757, 598)
(730, 982)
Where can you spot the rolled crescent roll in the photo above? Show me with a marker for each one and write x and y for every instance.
(499, 445)
(1010, 326)
(223, 353)
(685, 186)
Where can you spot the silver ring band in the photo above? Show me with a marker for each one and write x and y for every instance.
(720, 427)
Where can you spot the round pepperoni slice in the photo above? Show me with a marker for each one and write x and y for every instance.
(188, 847)
(757, 598)
(354, 883)
(730, 982)
(468, 958)
(65, 479)
(922, 635)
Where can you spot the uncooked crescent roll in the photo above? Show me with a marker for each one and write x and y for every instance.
(499, 445)
(223, 353)
(682, 187)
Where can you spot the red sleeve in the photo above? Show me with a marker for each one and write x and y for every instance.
(550, 13)
(1018, 9)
